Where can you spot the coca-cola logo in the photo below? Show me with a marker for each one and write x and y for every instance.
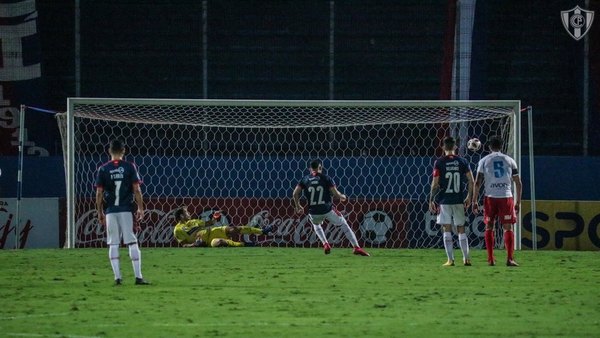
(88, 229)
(156, 228)
(297, 230)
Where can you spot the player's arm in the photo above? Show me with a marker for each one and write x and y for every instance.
(470, 187)
(139, 200)
(435, 189)
(476, 188)
(518, 189)
(337, 194)
(296, 199)
(100, 204)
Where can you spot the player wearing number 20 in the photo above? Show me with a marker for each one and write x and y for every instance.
(117, 185)
(319, 189)
(451, 175)
(498, 171)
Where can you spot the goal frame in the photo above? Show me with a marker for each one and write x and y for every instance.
(515, 105)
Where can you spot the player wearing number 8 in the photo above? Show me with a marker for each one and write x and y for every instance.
(451, 177)
(498, 171)
(319, 190)
(117, 186)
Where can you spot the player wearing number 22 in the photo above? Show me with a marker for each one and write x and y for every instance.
(117, 185)
(451, 175)
(319, 189)
(498, 171)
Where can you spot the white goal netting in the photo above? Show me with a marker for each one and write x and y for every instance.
(246, 157)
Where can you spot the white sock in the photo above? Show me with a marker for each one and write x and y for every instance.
(349, 234)
(320, 233)
(463, 241)
(449, 245)
(113, 255)
(136, 259)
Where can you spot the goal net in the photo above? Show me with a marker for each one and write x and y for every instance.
(246, 157)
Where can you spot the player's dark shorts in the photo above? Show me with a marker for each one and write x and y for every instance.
(502, 208)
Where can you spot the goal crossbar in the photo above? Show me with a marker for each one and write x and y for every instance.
(266, 113)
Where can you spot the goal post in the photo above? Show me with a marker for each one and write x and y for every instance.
(246, 156)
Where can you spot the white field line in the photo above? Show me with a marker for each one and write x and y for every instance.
(36, 316)
(13, 334)
(229, 324)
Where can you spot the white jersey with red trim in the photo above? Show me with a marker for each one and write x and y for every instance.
(497, 170)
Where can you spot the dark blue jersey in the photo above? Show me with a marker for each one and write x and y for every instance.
(316, 190)
(117, 179)
(452, 172)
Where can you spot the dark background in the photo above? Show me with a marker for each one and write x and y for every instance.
(280, 50)
(383, 50)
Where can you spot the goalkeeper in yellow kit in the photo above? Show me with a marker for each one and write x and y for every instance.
(199, 233)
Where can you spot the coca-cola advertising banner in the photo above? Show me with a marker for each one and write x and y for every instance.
(376, 223)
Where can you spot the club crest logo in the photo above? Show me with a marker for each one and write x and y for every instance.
(577, 21)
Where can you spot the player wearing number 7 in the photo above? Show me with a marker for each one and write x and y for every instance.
(117, 185)
(498, 171)
(319, 189)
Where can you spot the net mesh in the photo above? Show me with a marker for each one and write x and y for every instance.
(245, 158)
(300, 115)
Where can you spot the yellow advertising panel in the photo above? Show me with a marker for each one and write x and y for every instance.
(562, 225)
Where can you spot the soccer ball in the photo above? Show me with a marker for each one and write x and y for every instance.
(376, 227)
(474, 144)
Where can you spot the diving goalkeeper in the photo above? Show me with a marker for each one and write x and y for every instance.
(199, 233)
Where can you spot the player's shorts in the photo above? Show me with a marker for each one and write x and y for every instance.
(120, 225)
(208, 235)
(502, 208)
(452, 214)
(334, 217)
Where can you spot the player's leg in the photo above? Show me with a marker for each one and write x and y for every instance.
(130, 239)
(489, 218)
(459, 218)
(444, 218)
(113, 240)
(463, 242)
(316, 221)
(508, 217)
(221, 236)
(248, 230)
(509, 244)
(224, 231)
(448, 244)
(337, 219)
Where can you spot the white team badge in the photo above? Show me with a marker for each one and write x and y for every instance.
(577, 21)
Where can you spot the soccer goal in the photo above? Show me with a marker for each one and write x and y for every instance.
(246, 156)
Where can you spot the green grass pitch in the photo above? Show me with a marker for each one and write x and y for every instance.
(297, 292)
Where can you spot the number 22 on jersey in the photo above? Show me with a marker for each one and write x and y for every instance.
(316, 195)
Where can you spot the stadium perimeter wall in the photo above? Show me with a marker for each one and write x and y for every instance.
(568, 208)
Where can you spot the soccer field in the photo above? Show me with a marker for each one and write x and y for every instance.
(296, 292)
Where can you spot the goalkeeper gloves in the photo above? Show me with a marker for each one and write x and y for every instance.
(216, 215)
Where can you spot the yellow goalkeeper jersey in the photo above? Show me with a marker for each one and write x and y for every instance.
(187, 232)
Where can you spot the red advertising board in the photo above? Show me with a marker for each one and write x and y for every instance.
(375, 223)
